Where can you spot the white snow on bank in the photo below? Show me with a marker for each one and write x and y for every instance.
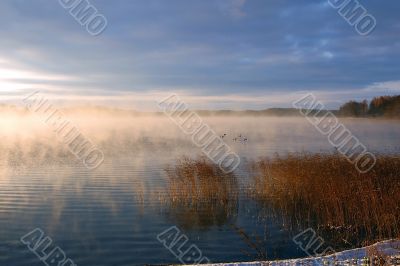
(387, 250)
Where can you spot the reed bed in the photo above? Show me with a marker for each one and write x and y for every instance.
(322, 191)
(327, 193)
(200, 194)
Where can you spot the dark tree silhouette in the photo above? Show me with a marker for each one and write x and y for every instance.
(354, 108)
(387, 106)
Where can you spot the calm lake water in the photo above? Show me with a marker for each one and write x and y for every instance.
(112, 215)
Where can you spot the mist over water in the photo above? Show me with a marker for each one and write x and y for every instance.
(153, 135)
(111, 215)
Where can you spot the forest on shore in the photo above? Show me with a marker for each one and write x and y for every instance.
(383, 106)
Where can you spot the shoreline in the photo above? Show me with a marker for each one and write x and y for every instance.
(388, 250)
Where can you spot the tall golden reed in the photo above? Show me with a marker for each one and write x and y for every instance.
(326, 192)
(200, 194)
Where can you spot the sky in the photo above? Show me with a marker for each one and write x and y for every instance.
(215, 54)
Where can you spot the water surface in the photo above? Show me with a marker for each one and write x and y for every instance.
(112, 215)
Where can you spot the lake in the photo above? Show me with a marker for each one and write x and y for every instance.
(113, 214)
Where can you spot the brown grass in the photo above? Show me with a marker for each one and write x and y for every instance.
(322, 191)
(326, 192)
(200, 194)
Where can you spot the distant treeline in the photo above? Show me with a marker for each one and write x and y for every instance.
(266, 112)
(104, 110)
(383, 106)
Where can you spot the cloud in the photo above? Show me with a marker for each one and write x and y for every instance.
(256, 49)
(15, 78)
(233, 7)
(384, 87)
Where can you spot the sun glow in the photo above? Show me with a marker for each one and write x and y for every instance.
(14, 78)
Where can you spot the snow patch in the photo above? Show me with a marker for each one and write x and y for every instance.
(383, 253)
